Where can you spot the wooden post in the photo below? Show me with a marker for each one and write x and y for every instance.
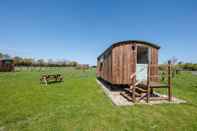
(148, 83)
(134, 48)
(45, 80)
(169, 81)
(151, 67)
(133, 89)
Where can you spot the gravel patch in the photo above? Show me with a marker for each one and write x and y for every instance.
(119, 100)
(2, 128)
(194, 72)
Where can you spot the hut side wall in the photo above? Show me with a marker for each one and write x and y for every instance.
(107, 67)
(123, 59)
(104, 68)
(1, 65)
(6, 67)
(97, 69)
(120, 62)
(154, 69)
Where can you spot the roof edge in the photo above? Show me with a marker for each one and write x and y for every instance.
(130, 41)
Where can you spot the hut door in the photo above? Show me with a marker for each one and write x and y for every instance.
(143, 56)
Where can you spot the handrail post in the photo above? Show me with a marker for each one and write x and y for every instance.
(133, 78)
(169, 81)
(148, 83)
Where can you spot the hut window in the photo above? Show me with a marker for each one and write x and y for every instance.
(7, 62)
(101, 63)
(142, 55)
(101, 66)
(133, 48)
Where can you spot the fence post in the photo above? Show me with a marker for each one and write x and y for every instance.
(169, 81)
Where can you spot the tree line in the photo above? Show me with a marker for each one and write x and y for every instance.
(187, 66)
(20, 61)
(180, 65)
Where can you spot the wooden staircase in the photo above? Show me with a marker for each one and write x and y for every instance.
(134, 95)
(139, 90)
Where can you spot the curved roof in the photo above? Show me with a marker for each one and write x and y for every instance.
(131, 42)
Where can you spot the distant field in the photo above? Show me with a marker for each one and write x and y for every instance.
(79, 104)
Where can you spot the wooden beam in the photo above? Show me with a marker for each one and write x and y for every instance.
(148, 83)
(133, 90)
(134, 50)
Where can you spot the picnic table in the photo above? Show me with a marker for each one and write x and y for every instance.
(51, 78)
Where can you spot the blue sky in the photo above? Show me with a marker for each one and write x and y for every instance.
(82, 29)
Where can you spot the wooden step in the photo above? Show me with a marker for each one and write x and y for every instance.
(127, 96)
(140, 89)
(130, 91)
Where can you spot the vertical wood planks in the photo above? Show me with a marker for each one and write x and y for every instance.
(120, 63)
(154, 65)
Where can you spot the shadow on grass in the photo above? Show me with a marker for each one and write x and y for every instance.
(53, 82)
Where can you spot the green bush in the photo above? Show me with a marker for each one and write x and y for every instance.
(188, 66)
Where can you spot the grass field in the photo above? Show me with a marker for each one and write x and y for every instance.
(78, 104)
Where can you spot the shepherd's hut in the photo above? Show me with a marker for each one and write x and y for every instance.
(133, 64)
(6, 65)
(118, 62)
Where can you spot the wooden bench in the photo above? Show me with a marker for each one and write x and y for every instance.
(51, 78)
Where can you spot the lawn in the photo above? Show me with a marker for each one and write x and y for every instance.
(78, 104)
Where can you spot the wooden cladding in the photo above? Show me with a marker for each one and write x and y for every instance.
(123, 58)
(104, 67)
(6, 65)
(154, 72)
(119, 63)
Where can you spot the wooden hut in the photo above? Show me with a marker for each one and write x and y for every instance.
(118, 62)
(6, 65)
(133, 63)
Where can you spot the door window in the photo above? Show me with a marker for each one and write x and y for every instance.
(142, 55)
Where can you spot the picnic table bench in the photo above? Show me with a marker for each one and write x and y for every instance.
(51, 78)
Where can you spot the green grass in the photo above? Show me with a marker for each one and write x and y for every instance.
(78, 104)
